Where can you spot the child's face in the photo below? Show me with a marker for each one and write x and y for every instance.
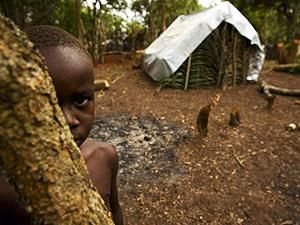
(72, 74)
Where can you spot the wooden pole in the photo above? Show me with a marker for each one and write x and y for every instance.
(234, 58)
(222, 55)
(188, 73)
(78, 19)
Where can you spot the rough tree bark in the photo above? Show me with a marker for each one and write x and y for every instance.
(37, 153)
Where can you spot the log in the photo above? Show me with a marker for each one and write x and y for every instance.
(101, 84)
(268, 89)
(269, 97)
(288, 68)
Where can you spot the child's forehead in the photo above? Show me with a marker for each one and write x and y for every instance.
(66, 53)
(68, 62)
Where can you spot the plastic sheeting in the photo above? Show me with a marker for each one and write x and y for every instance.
(167, 53)
(255, 65)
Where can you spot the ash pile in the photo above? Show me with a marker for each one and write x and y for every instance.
(146, 146)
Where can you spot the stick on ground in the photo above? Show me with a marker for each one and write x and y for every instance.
(269, 89)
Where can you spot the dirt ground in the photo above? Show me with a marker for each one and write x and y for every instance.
(248, 174)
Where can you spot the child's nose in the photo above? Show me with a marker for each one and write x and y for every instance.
(70, 117)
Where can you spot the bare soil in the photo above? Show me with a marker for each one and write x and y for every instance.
(248, 174)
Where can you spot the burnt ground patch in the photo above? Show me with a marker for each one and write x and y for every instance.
(146, 145)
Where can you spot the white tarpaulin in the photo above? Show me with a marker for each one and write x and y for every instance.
(167, 53)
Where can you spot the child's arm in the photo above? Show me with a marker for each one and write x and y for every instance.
(114, 200)
(102, 162)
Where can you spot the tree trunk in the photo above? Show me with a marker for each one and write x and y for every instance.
(37, 153)
(14, 10)
(78, 19)
(163, 17)
(100, 34)
(151, 21)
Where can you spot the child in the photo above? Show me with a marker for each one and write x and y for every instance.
(71, 69)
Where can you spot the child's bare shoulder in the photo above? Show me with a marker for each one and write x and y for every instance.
(99, 151)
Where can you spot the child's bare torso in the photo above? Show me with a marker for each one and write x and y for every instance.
(99, 167)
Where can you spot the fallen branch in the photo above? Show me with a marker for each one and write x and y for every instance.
(288, 68)
(268, 89)
(268, 70)
(269, 97)
(101, 84)
(237, 159)
(118, 78)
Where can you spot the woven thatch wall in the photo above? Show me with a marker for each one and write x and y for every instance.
(221, 60)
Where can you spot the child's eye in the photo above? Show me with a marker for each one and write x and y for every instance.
(82, 101)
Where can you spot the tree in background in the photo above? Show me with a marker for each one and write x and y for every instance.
(97, 21)
(158, 14)
(170, 10)
(85, 21)
(278, 23)
(135, 35)
(36, 12)
(277, 20)
(30, 12)
(98, 24)
(78, 19)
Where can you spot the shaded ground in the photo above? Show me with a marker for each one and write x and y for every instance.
(244, 175)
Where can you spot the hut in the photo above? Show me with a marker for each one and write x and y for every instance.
(214, 48)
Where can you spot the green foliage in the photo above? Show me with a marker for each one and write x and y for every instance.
(30, 12)
(277, 20)
(65, 16)
(35, 12)
(158, 14)
(173, 9)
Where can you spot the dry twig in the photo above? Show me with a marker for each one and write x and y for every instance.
(237, 159)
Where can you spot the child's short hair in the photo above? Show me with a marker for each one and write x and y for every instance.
(51, 36)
